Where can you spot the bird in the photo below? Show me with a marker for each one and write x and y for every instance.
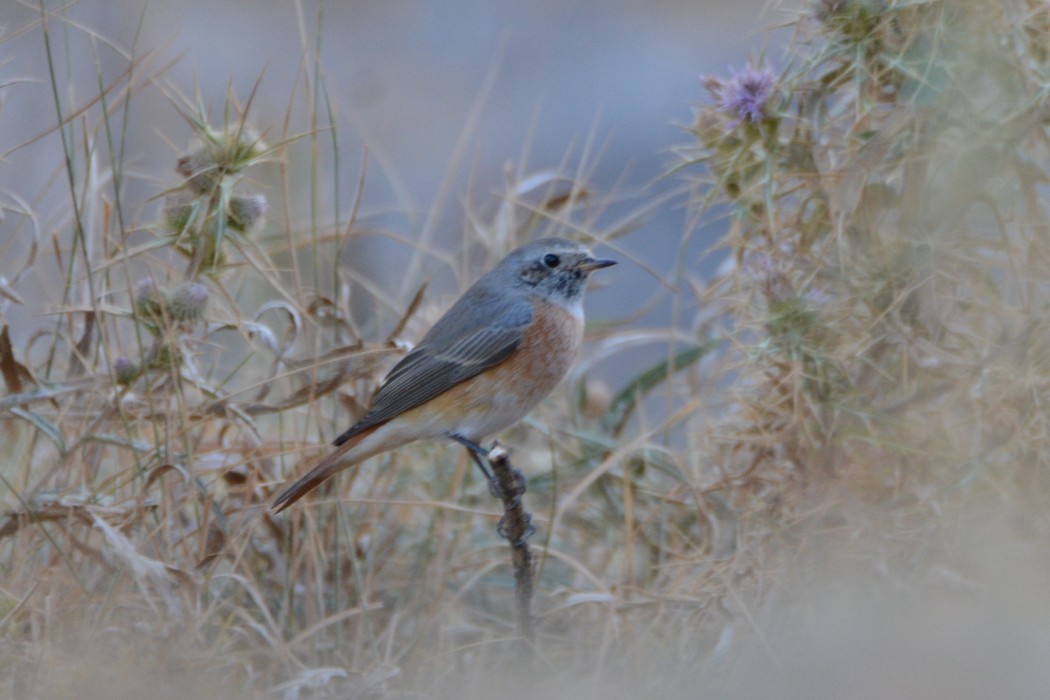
(495, 354)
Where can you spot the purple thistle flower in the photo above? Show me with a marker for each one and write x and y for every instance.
(125, 370)
(746, 94)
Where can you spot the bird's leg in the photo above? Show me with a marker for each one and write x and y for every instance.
(480, 456)
(478, 453)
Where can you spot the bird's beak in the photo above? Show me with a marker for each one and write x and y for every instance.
(591, 264)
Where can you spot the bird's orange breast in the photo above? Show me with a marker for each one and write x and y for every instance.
(547, 351)
(502, 395)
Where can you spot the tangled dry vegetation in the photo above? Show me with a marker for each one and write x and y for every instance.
(862, 388)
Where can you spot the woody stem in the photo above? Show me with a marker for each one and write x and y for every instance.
(508, 484)
(516, 527)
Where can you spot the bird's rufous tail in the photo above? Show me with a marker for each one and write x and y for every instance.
(333, 463)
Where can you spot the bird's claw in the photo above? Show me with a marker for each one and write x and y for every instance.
(530, 530)
(518, 485)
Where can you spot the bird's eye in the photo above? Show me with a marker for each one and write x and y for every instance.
(551, 260)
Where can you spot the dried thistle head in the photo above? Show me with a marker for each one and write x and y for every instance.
(125, 370)
(220, 155)
(188, 302)
(245, 211)
(149, 300)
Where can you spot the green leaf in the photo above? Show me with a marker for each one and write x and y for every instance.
(627, 399)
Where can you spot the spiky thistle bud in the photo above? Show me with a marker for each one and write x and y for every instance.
(245, 211)
(149, 300)
(125, 370)
(189, 302)
(201, 170)
(236, 148)
(219, 154)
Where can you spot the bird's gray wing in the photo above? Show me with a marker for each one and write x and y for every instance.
(481, 330)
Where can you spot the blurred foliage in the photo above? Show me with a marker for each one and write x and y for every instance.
(887, 214)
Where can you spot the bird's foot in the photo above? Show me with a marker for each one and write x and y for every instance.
(530, 530)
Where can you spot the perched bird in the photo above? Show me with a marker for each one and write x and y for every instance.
(502, 347)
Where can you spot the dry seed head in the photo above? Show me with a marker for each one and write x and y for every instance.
(201, 171)
(189, 302)
(125, 370)
(245, 211)
(149, 300)
(220, 154)
(236, 147)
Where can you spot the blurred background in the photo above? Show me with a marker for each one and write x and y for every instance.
(445, 97)
(858, 507)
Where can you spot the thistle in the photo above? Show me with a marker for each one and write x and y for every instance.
(188, 302)
(746, 95)
(125, 370)
(149, 301)
(245, 211)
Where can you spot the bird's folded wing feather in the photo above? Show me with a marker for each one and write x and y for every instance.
(477, 333)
